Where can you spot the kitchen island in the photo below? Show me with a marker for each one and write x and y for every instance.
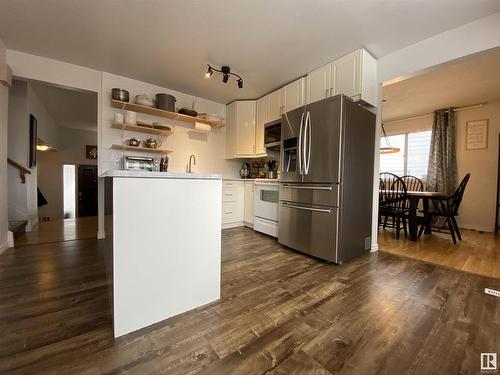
(166, 239)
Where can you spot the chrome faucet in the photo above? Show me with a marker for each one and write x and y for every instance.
(191, 157)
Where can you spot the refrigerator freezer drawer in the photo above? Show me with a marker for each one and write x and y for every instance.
(309, 229)
(310, 194)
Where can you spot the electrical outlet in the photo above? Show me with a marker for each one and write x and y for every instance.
(493, 292)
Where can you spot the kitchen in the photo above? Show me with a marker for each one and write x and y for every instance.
(306, 179)
(237, 223)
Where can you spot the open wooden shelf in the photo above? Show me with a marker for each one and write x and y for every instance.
(142, 129)
(162, 113)
(141, 149)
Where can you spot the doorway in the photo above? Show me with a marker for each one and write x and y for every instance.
(87, 190)
(497, 220)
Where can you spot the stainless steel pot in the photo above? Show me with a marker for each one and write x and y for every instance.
(133, 142)
(120, 94)
(166, 102)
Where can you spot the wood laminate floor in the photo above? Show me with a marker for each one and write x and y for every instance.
(59, 230)
(280, 313)
(478, 252)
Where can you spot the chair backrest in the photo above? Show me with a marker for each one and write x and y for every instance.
(459, 193)
(413, 183)
(394, 193)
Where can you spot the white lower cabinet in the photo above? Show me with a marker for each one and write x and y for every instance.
(233, 201)
(248, 217)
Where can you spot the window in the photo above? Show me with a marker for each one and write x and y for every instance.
(413, 156)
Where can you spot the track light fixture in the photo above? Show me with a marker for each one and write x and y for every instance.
(226, 72)
(209, 72)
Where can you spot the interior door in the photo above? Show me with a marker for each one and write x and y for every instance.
(289, 151)
(87, 190)
(322, 141)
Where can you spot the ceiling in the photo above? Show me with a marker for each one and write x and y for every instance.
(69, 108)
(269, 43)
(465, 82)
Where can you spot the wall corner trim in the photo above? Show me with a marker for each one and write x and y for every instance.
(5, 74)
(374, 247)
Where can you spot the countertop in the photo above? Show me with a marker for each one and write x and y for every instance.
(167, 175)
(252, 179)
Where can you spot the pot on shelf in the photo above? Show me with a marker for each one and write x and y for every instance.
(120, 94)
(145, 100)
(165, 102)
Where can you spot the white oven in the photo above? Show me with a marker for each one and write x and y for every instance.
(265, 206)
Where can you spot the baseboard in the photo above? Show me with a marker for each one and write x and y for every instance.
(10, 239)
(232, 225)
(247, 224)
(4, 247)
(31, 225)
(374, 247)
(478, 228)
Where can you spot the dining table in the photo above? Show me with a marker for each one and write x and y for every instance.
(414, 197)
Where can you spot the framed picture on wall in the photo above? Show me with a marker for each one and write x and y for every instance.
(91, 152)
(33, 141)
(477, 135)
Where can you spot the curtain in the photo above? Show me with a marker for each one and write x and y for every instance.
(442, 168)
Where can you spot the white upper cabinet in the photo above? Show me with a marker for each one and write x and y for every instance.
(240, 129)
(276, 103)
(261, 118)
(354, 75)
(318, 84)
(286, 99)
(294, 95)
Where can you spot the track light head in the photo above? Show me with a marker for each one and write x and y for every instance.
(209, 72)
(226, 72)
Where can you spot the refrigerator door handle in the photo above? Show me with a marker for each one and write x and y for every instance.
(307, 187)
(308, 131)
(323, 210)
(300, 145)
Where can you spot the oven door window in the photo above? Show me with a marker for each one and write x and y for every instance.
(271, 196)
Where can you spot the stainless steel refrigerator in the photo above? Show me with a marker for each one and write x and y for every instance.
(326, 180)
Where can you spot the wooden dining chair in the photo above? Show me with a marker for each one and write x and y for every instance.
(446, 208)
(392, 200)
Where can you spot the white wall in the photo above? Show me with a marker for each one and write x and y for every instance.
(71, 150)
(23, 101)
(460, 42)
(468, 39)
(4, 105)
(208, 148)
(479, 202)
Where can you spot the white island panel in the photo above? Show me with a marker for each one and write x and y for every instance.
(166, 248)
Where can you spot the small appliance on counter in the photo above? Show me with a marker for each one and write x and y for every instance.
(245, 170)
(138, 163)
(164, 164)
